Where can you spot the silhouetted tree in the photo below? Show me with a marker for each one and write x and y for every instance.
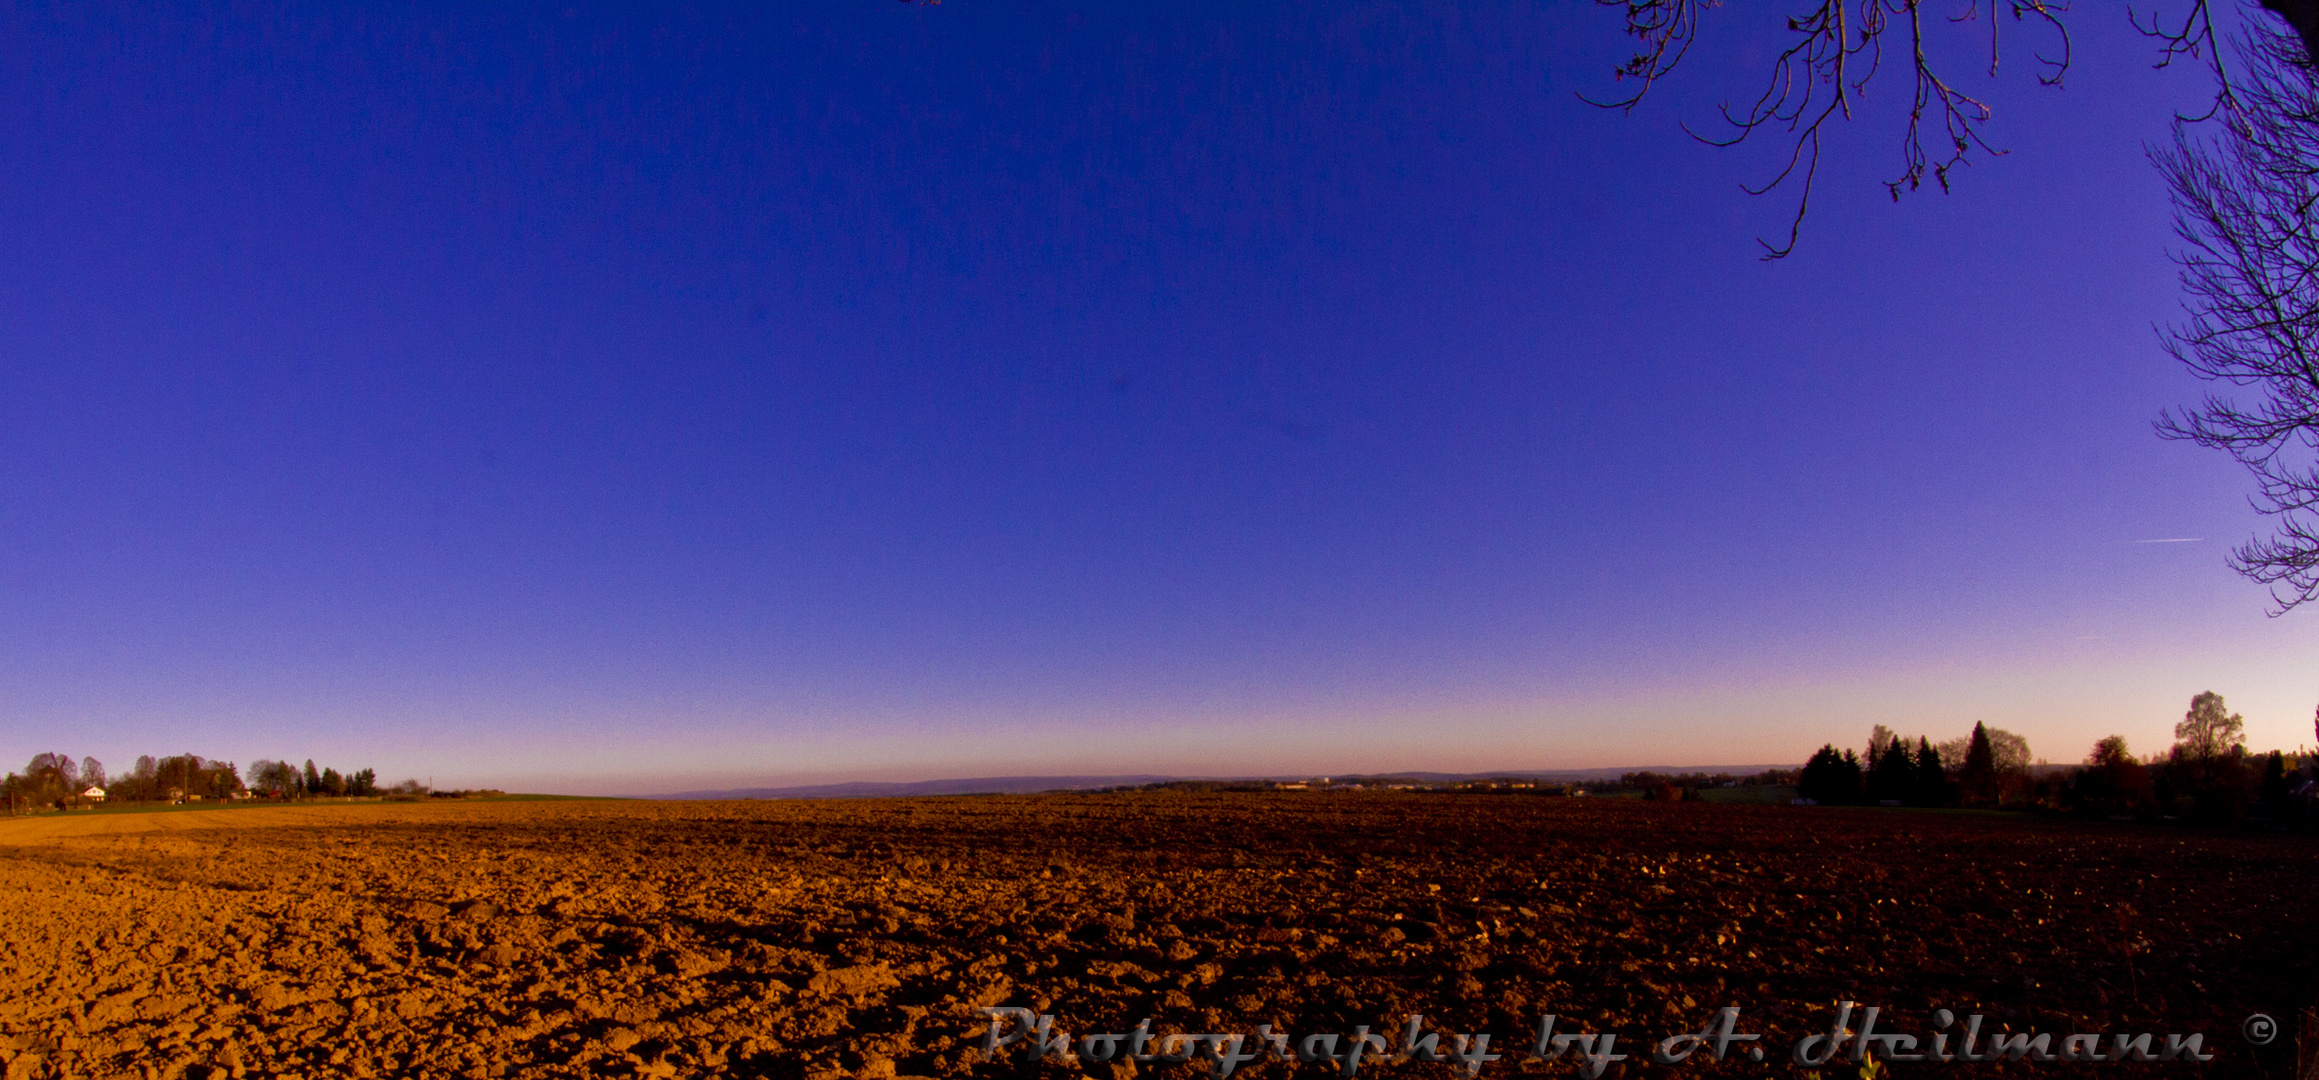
(2271, 791)
(1978, 778)
(1931, 787)
(313, 780)
(1879, 737)
(2112, 782)
(1893, 776)
(2206, 735)
(1830, 778)
(2207, 765)
(2008, 751)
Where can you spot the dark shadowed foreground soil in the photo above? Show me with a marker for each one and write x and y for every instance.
(859, 938)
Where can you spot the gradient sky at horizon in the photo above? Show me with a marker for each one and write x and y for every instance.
(608, 398)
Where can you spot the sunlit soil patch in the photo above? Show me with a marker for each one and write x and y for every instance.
(861, 938)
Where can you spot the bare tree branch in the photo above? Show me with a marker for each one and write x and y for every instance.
(2244, 202)
(1665, 29)
(2246, 196)
(2191, 37)
(1836, 49)
(2303, 16)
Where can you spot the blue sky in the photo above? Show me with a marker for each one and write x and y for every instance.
(612, 398)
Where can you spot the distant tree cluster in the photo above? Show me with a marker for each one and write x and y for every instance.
(282, 780)
(1981, 769)
(53, 780)
(1989, 767)
(2207, 775)
(56, 781)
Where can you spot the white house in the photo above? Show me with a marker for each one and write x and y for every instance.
(94, 794)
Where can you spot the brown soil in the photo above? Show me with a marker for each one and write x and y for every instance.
(859, 937)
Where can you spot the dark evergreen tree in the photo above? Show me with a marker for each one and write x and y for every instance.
(313, 782)
(1979, 776)
(1830, 778)
(1932, 781)
(1892, 776)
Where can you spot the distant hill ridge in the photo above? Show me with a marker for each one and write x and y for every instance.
(1024, 785)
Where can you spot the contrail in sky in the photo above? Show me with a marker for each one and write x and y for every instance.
(2173, 540)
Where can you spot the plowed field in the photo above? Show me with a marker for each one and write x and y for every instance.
(835, 938)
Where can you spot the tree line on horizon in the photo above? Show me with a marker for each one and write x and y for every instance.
(280, 779)
(2208, 775)
(56, 780)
